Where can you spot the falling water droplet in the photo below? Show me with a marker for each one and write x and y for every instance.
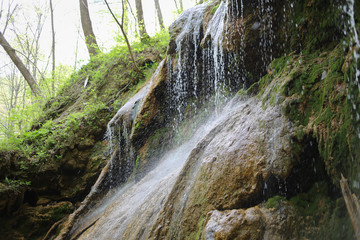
(323, 76)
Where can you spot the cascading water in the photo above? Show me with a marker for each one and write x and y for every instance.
(118, 216)
(203, 75)
(355, 44)
(118, 134)
(187, 81)
(186, 63)
(194, 83)
(219, 69)
(353, 81)
(267, 32)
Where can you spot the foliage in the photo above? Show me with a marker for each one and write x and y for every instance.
(16, 183)
(213, 10)
(21, 116)
(82, 107)
(274, 202)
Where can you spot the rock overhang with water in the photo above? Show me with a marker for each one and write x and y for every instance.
(259, 151)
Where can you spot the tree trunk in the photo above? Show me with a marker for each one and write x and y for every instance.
(140, 19)
(352, 205)
(181, 6)
(20, 65)
(177, 9)
(90, 38)
(159, 14)
(53, 47)
(125, 16)
(121, 25)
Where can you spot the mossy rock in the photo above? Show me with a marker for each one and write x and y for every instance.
(328, 214)
(313, 94)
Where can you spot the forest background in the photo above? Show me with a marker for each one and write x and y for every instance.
(27, 27)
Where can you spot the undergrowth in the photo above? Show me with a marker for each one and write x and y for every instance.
(85, 103)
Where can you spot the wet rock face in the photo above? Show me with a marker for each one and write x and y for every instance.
(254, 31)
(11, 199)
(254, 223)
(250, 157)
(246, 151)
(220, 47)
(227, 170)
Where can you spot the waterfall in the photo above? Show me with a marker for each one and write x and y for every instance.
(219, 69)
(217, 33)
(136, 204)
(354, 43)
(119, 132)
(267, 32)
(184, 78)
(193, 84)
(203, 71)
(353, 80)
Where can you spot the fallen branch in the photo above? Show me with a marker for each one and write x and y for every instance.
(53, 227)
(70, 222)
(352, 205)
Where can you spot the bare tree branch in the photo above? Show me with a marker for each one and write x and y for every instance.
(125, 36)
(123, 12)
(9, 15)
(20, 65)
(53, 46)
(176, 5)
(131, 10)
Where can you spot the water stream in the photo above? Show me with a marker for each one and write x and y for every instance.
(354, 78)
(118, 215)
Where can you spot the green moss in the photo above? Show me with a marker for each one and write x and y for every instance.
(315, 91)
(60, 211)
(320, 210)
(213, 10)
(313, 201)
(300, 133)
(200, 227)
(241, 93)
(274, 202)
(137, 162)
(316, 25)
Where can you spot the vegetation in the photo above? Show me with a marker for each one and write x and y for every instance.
(67, 131)
(312, 91)
(63, 116)
(317, 206)
(274, 202)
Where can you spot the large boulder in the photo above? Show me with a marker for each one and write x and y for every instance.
(254, 223)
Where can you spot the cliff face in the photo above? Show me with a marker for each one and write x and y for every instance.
(187, 162)
(269, 166)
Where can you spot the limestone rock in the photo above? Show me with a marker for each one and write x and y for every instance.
(228, 168)
(254, 223)
(11, 198)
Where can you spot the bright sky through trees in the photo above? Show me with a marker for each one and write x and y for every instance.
(69, 35)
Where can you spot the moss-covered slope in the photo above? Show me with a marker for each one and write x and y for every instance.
(52, 167)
